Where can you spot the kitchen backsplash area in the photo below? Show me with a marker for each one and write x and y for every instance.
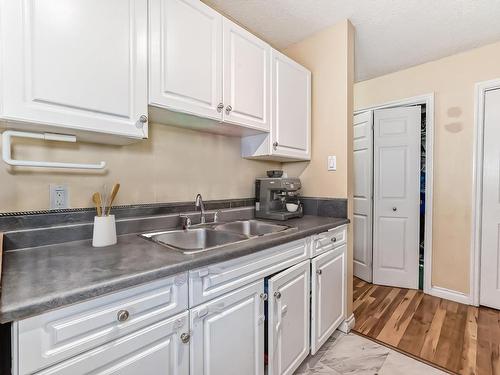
(24, 229)
(173, 165)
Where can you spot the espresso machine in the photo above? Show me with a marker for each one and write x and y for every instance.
(272, 195)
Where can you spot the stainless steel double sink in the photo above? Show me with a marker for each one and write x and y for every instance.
(205, 237)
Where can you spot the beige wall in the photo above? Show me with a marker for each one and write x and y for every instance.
(329, 55)
(452, 79)
(174, 164)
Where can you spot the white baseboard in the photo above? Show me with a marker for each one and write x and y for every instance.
(451, 295)
(347, 324)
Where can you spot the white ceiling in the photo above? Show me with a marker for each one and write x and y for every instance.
(390, 34)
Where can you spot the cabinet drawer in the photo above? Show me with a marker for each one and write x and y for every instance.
(157, 349)
(212, 281)
(57, 335)
(328, 240)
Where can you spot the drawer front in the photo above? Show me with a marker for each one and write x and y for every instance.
(212, 281)
(328, 240)
(57, 335)
(157, 349)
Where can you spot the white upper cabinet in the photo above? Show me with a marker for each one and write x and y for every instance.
(291, 100)
(185, 57)
(75, 66)
(206, 72)
(290, 137)
(247, 78)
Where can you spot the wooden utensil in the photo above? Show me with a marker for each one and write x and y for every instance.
(96, 198)
(114, 191)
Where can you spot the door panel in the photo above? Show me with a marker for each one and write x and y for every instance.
(396, 196)
(490, 238)
(291, 97)
(328, 275)
(228, 333)
(186, 57)
(155, 350)
(77, 64)
(363, 193)
(247, 78)
(288, 319)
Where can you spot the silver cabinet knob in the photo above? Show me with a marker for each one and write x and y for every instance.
(143, 119)
(185, 337)
(275, 145)
(263, 296)
(334, 239)
(277, 295)
(228, 109)
(319, 272)
(394, 209)
(122, 315)
(220, 107)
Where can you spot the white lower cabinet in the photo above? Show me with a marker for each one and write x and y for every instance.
(288, 319)
(155, 350)
(153, 329)
(328, 295)
(227, 334)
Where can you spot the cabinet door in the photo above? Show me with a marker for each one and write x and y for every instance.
(288, 319)
(328, 273)
(77, 65)
(291, 103)
(185, 57)
(247, 78)
(155, 350)
(228, 334)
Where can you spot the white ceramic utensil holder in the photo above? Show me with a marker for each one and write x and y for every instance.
(104, 231)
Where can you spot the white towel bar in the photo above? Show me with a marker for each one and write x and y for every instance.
(7, 143)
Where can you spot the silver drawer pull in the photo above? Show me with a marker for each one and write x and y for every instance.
(277, 295)
(319, 272)
(185, 337)
(263, 296)
(122, 315)
(334, 239)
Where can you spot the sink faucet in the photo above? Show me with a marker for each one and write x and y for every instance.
(199, 203)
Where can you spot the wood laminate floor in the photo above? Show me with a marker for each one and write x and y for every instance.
(460, 338)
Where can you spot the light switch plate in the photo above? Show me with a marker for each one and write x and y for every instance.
(332, 163)
(59, 197)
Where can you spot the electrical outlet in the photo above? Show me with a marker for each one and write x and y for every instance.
(332, 163)
(59, 197)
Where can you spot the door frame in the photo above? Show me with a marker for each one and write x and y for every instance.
(428, 100)
(477, 186)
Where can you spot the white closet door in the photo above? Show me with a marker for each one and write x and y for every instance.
(396, 196)
(490, 239)
(247, 78)
(185, 57)
(363, 195)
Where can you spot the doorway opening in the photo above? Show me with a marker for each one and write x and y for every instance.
(399, 217)
(423, 172)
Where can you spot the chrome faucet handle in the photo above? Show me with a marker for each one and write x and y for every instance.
(198, 202)
(186, 221)
(217, 216)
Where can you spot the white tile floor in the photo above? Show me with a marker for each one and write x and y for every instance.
(354, 355)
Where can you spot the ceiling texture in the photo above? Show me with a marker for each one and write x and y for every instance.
(390, 34)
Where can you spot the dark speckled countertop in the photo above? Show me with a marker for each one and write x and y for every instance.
(36, 280)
